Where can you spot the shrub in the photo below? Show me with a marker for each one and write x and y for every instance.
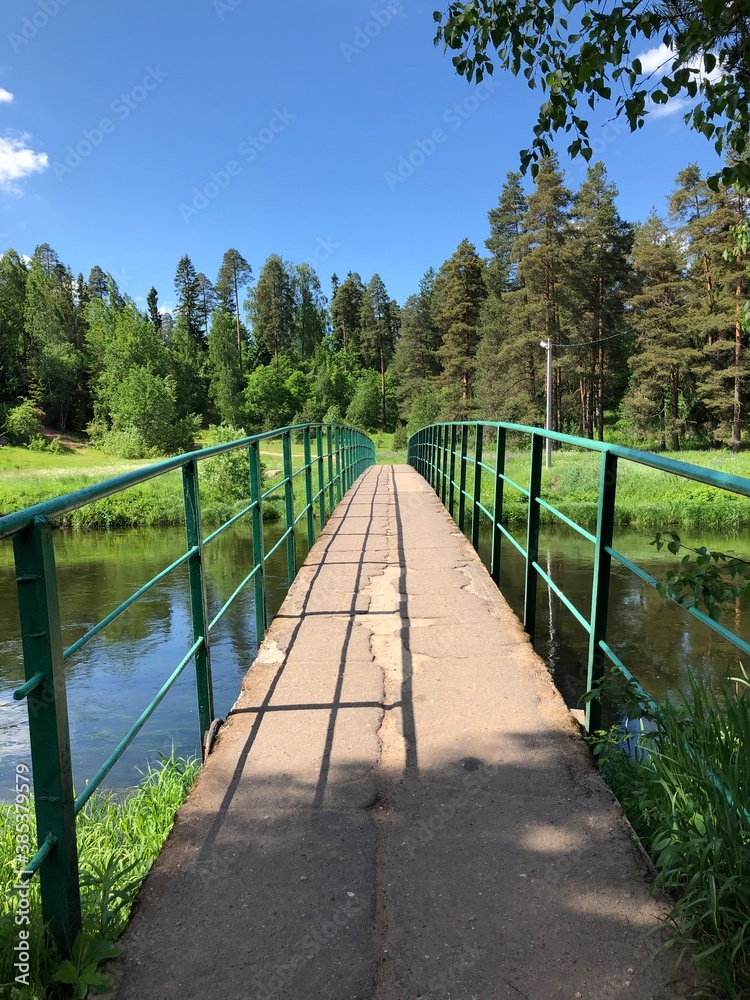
(37, 443)
(225, 477)
(23, 423)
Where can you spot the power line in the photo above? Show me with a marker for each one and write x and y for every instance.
(590, 343)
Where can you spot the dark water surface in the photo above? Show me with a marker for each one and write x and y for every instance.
(658, 641)
(114, 677)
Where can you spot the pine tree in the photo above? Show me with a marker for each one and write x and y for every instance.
(188, 290)
(54, 334)
(234, 274)
(664, 356)
(13, 377)
(461, 289)
(271, 308)
(415, 361)
(152, 303)
(716, 286)
(206, 303)
(310, 311)
(345, 315)
(378, 330)
(97, 283)
(506, 226)
(599, 273)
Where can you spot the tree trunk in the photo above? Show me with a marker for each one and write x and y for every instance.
(382, 381)
(237, 316)
(736, 405)
(662, 427)
(673, 397)
(584, 404)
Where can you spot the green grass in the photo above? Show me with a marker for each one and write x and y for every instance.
(71, 460)
(118, 841)
(385, 452)
(646, 498)
(674, 791)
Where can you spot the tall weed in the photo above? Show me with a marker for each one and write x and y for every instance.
(686, 789)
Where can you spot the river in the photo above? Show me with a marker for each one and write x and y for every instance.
(112, 679)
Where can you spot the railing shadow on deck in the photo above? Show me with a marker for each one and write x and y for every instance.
(341, 455)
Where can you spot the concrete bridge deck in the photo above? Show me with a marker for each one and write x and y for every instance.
(400, 806)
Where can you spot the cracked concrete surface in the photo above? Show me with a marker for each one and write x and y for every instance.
(400, 807)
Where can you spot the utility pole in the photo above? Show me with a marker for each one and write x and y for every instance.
(547, 345)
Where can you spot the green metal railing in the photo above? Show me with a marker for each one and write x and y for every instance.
(435, 451)
(341, 455)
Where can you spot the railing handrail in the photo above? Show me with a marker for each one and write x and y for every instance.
(429, 450)
(57, 506)
(698, 473)
(44, 689)
(432, 452)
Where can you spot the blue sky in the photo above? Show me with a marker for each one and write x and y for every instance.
(133, 133)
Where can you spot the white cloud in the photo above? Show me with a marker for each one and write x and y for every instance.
(5, 96)
(18, 160)
(657, 59)
(674, 106)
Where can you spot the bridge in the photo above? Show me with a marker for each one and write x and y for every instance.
(399, 805)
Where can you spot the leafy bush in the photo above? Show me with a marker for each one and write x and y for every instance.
(144, 418)
(424, 411)
(55, 447)
(226, 477)
(23, 423)
(366, 408)
(400, 438)
(333, 415)
(37, 443)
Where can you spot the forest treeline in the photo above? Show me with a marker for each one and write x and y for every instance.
(647, 326)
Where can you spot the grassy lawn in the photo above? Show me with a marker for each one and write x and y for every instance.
(645, 498)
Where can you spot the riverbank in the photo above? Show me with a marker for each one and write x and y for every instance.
(118, 841)
(645, 498)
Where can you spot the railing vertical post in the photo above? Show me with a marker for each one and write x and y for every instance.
(48, 730)
(321, 477)
(329, 443)
(259, 559)
(433, 457)
(337, 436)
(291, 550)
(600, 587)
(198, 603)
(436, 458)
(497, 506)
(344, 460)
(532, 536)
(439, 461)
(452, 485)
(308, 488)
(477, 486)
(446, 464)
(462, 476)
